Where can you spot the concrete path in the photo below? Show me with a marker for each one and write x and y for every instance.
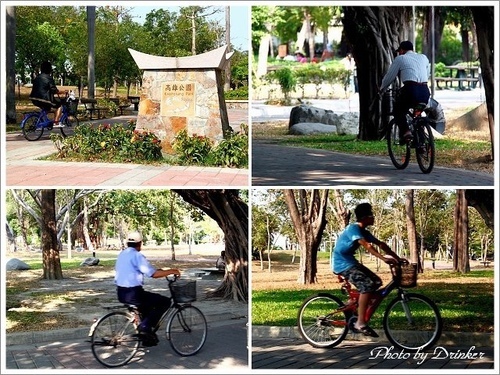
(274, 165)
(24, 168)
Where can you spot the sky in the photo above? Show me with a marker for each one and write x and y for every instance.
(240, 23)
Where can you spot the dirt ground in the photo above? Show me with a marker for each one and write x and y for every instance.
(84, 292)
(284, 275)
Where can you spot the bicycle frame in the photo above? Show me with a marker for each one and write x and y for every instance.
(375, 299)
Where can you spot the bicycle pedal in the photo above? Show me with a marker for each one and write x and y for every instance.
(148, 344)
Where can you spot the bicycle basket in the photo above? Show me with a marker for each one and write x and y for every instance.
(72, 107)
(408, 275)
(184, 290)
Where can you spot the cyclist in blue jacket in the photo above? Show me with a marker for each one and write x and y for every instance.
(345, 264)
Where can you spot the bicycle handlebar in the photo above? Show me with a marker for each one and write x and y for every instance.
(172, 278)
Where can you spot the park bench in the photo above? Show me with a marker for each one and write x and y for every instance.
(91, 107)
(135, 101)
(471, 82)
(119, 106)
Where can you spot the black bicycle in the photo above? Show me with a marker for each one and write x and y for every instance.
(422, 140)
(115, 338)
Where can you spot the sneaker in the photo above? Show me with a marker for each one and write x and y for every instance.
(365, 330)
(58, 125)
(405, 138)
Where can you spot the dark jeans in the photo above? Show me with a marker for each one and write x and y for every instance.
(150, 305)
(409, 96)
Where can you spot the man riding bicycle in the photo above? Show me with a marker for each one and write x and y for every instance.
(345, 264)
(131, 266)
(43, 90)
(413, 70)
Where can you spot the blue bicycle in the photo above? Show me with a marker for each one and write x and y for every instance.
(34, 123)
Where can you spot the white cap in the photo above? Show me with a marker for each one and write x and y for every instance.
(134, 237)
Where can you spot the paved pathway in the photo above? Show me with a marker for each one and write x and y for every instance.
(283, 353)
(274, 165)
(68, 348)
(24, 168)
(76, 353)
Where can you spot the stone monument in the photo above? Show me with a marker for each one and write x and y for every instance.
(183, 93)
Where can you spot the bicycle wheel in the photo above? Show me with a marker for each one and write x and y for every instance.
(412, 322)
(426, 150)
(321, 322)
(114, 339)
(30, 126)
(399, 150)
(71, 121)
(187, 330)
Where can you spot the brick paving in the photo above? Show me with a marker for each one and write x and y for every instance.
(288, 353)
(23, 166)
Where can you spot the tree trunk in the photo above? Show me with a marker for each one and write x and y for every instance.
(483, 200)
(439, 20)
(309, 220)
(85, 227)
(263, 53)
(193, 34)
(91, 51)
(309, 34)
(373, 33)
(227, 83)
(172, 226)
(343, 214)
(411, 227)
(50, 247)
(461, 249)
(10, 58)
(464, 35)
(484, 18)
(231, 214)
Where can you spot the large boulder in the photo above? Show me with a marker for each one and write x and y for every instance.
(348, 123)
(305, 113)
(306, 119)
(15, 264)
(90, 262)
(307, 128)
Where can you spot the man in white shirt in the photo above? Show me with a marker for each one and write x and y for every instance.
(131, 266)
(413, 70)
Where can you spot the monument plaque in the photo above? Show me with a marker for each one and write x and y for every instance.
(177, 98)
(183, 93)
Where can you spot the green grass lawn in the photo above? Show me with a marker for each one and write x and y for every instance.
(448, 150)
(465, 301)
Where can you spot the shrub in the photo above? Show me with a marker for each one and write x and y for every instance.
(241, 93)
(106, 103)
(232, 151)
(285, 78)
(193, 149)
(116, 143)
